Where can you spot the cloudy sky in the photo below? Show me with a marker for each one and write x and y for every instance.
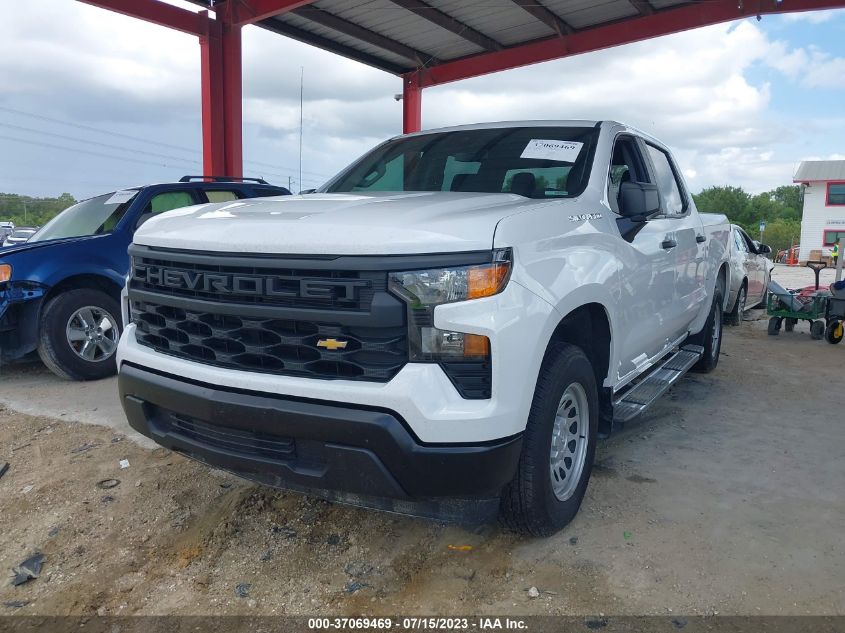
(91, 101)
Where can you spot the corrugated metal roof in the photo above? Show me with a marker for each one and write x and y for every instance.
(815, 170)
(400, 36)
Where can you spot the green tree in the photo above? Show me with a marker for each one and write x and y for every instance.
(29, 211)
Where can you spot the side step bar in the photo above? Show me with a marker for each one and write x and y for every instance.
(643, 394)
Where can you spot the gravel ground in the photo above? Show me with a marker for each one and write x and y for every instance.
(726, 497)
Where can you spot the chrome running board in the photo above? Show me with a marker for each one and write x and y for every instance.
(639, 397)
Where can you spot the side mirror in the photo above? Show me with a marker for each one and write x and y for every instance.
(764, 249)
(638, 199)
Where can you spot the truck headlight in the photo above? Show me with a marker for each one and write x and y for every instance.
(424, 290)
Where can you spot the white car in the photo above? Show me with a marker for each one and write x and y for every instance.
(751, 271)
(446, 327)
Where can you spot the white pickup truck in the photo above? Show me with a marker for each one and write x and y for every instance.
(443, 329)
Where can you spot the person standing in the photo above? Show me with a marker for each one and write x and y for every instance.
(834, 252)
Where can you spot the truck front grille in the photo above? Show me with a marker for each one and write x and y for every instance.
(259, 315)
(271, 345)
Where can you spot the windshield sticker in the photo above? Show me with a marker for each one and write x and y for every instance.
(560, 151)
(120, 197)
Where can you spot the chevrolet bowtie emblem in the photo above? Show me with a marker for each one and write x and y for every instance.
(332, 344)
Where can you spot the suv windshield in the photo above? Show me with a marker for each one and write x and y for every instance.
(535, 162)
(89, 217)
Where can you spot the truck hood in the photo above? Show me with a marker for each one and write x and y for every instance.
(5, 251)
(338, 224)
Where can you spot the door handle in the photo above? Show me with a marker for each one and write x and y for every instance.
(700, 238)
(667, 244)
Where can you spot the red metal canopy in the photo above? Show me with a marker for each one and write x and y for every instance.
(426, 42)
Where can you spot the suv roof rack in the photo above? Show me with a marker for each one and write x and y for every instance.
(260, 181)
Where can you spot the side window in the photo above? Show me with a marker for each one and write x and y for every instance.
(221, 196)
(740, 242)
(165, 202)
(667, 182)
(626, 165)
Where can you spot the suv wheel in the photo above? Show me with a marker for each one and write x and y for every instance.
(734, 317)
(558, 446)
(78, 334)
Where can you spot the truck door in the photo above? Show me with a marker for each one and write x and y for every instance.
(647, 273)
(687, 239)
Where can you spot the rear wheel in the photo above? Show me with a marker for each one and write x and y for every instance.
(774, 326)
(710, 338)
(734, 317)
(78, 334)
(789, 324)
(558, 446)
(834, 332)
(817, 330)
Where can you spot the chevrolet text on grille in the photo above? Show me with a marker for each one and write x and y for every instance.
(253, 285)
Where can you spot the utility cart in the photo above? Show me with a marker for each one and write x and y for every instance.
(786, 307)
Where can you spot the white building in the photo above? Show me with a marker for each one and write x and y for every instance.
(823, 221)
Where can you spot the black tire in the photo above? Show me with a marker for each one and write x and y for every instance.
(774, 326)
(817, 330)
(789, 324)
(834, 332)
(529, 504)
(734, 317)
(55, 349)
(705, 338)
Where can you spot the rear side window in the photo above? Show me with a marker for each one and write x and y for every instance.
(667, 182)
(221, 196)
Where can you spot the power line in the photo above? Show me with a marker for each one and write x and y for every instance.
(91, 128)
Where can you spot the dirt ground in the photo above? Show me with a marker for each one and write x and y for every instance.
(725, 498)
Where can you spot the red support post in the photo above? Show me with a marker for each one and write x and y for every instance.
(213, 122)
(232, 99)
(411, 103)
(222, 92)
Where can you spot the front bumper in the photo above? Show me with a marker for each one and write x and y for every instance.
(20, 307)
(351, 453)
(517, 322)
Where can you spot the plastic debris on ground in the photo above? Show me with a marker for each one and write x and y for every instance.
(28, 569)
(124, 463)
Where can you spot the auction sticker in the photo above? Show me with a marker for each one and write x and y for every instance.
(119, 197)
(560, 151)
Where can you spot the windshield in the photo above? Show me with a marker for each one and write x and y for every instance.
(535, 162)
(89, 217)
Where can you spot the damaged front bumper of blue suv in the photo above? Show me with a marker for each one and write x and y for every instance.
(20, 307)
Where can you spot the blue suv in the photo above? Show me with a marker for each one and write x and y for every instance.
(60, 292)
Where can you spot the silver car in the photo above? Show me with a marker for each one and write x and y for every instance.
(19, 235)
(750, 274)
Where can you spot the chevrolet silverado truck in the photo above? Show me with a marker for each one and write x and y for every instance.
(443, 329)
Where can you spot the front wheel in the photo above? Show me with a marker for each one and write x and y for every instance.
(710, 338)
(774, 326)
(78, 334)
(817, 330)
(834, 332)
(558, 446)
